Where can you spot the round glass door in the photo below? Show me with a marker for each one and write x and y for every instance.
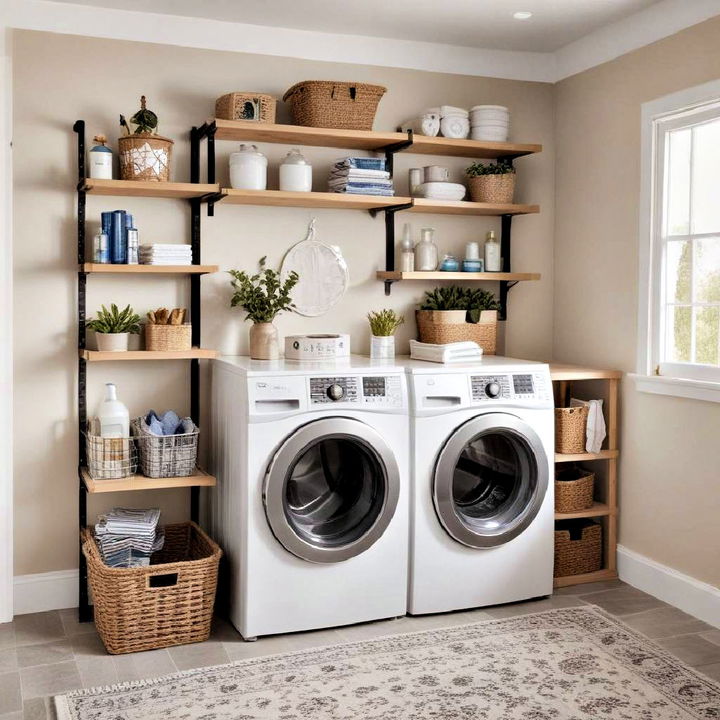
(331, 490)
(490, 480)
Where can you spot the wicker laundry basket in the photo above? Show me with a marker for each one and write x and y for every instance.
(573, 489)
(578, 547)
(329, 104)
(256, 107)
(145, 156)
(433, 327)
(168, 337)
(570, 430)
(162, 456)
(497, 189)
(169, 602)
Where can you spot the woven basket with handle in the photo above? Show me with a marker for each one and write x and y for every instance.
(578, 547)
(496, 189)
(169, 602)
(438, 331)
(570, 428)
(257, 107)
(573, 490)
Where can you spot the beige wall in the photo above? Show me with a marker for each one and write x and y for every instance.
(670, 495)
(61, 78)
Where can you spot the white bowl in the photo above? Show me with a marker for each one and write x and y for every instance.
(489, 137)
(490, 115)
(494, 125)
(502, 108)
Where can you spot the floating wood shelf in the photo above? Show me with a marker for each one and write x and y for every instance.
(559, 371)
(596, 510)
(582, 457)
(112, 269)
(140, 482)
(465, 207)
(597, 576)
(193, 354)
(133, 188)
(487, 150)
(282, 198)
(395, 276)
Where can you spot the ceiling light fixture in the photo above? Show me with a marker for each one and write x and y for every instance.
(522, 15)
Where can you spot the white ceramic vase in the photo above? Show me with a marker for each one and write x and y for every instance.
(112, 342)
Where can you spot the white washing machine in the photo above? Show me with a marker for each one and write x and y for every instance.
(482, 506)
(311, 506)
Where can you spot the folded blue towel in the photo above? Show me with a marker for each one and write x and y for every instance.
(169, 423)
(365, 163)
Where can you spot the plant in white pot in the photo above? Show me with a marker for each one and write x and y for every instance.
(262, 296)
(113, 327)
(383, 325)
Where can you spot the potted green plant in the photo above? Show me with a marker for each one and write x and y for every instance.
(113, 327)
(144, 155)
(444, 305)
(383, 325)
(262, 296)
(491, 183)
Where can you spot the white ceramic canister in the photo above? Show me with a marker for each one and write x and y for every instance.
(295, 173)
(248, 169)
(100, 159)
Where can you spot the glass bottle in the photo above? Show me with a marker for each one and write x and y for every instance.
(407, 251)
(426, 252)
(493, 261)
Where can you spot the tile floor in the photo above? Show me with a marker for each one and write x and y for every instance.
(48, 653)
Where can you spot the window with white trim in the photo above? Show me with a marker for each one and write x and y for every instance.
(685, 245)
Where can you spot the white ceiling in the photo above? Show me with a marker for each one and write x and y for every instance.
(466, 23)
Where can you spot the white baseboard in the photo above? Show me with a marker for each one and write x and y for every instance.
(45, 591)
(690, 595)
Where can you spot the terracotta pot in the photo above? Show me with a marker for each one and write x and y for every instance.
(112, 342)
(145, 156)
(264, 344)
(496, 189)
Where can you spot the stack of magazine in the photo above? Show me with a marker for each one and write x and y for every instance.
(127, 537)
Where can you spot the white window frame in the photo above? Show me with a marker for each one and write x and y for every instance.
(689, 380)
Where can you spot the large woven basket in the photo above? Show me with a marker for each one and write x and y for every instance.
(434, 328)
(256, 107)
(497, 189)
(329, 104)
(570, 429)
(578, 547)
(573, 490)
(169, 602)
(145, 156)
(168, 337)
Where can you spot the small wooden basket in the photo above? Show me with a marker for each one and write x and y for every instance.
(570, 429)
(253, 107)
(573, 490)
(168, 337)
(496, 189)
(145, 156)
(438, 331)
(578, 547)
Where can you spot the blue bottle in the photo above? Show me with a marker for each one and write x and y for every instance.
(118, 238)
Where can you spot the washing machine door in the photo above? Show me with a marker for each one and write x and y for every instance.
(490, 480)
(331, 490)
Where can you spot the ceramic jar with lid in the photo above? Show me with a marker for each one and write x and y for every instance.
(248, 169)
(295, 173)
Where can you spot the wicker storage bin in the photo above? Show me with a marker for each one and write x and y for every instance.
(256, 107)
(498, 189)
(573, 489)
(162, 456)
(170, 602)
(570, 428)
(168, 337)
(329, 104)
(145, 156)
(578, 547)
(438, 331)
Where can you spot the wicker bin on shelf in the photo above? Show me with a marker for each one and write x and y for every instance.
(570, 428)
(433, 327)
(573, 490)
(578, 547)
(328, 104)
(168, 337)
(256, 107)
(496, 189)
(145, 156)
(169, 602)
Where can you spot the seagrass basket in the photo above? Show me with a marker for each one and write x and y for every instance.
(169, 602)
(145, 156)
(256, 107)
(168, 337)
(497, 189)
(578, 547)
(329, 104)
(573, 489)
(433, 327)
(570, 429)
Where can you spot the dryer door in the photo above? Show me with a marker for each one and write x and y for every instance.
(490, 480)
(331, 490)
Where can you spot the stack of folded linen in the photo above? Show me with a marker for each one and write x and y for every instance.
(165, 254)
(127, 537)
(360, 176)
(457, 352)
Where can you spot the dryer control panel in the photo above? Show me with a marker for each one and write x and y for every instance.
(370, 390)
(515, 386)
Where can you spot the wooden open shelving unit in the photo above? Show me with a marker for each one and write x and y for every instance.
(466, 207)
(138, 188)
(110, 269)
(133, 355)
(140, 482)
(326, 200)
(396, 276)
(564, 378)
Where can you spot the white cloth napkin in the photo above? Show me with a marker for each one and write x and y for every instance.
(596, 430)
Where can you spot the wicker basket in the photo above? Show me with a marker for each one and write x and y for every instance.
(256, 107)
(578, 547)
(498, 189)
(169, 602)
(573, 490)
(168, 337)
(570, 427)
(435, 329)
(164, 456)
(328, 104)
(145, 156)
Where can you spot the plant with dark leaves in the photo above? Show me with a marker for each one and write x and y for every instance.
(264, 294)
(498, 168)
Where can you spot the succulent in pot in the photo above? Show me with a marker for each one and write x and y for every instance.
(491, 183)
(383, 325)
(113, 327)
(263, 296)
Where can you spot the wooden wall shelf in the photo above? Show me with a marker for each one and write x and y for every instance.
(597, 510)
(139, 482)
(328, 200)
(395, 276)
(466, 207)
(133, 188)
(111, 269)
(193, 354)
(584, 457)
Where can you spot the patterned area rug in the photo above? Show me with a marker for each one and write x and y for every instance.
(566, 664)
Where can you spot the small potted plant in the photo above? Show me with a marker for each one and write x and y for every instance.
(491, 183)
(262, 296)
(144, 155)
(113, 327)
(383, 325)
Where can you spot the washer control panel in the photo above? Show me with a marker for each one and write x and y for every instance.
(378, 390)
(517, 386)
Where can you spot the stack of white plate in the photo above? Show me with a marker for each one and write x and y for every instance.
(489, 123)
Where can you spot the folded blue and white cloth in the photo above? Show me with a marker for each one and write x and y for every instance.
(169, 423)
(362, 163)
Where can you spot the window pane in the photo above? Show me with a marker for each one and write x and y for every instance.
(678, 334)
(706, 178)
(707, 327)
(677, 218)
(678, 263)
(707, 270)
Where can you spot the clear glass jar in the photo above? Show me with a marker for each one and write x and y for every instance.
(426, 252)
(295, 173)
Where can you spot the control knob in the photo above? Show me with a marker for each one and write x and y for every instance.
(335, 392)
(492, 389)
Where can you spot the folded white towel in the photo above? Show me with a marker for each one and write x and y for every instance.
(458, 352)
(167, 246)
(595, 429)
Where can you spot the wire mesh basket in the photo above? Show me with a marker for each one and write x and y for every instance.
(109, 458)
(162, 456)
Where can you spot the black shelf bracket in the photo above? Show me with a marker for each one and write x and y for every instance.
(393, 148)
(390, 236)
(197, 134)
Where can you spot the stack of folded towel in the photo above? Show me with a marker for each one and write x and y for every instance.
(360, 176)
(127, 537)
(165, 254)
(169, 423)
(458, 352)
